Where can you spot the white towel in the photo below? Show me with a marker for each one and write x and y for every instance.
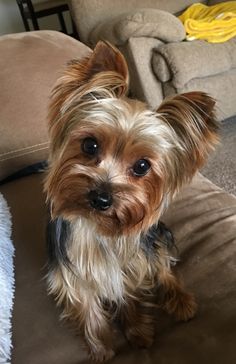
(7, 282)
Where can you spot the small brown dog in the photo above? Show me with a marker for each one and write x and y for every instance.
(114, 167)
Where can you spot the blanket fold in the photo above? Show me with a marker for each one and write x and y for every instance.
(215, 24)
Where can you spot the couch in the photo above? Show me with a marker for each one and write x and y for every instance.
(202, 218)
(161, 63)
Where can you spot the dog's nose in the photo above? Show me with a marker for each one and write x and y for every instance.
(100, 200)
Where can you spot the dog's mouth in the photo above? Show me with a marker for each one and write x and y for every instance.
(111, 226)
(120, 218)
(114, 209)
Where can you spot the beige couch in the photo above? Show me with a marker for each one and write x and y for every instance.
(203, 219)
(160, 62)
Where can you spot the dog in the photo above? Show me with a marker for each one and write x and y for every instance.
(114, 166)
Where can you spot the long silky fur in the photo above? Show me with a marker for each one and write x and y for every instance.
(109, 263)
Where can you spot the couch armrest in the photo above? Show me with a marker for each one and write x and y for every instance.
(152, 23)
(30, 64)
(143, 82)
(201, 59)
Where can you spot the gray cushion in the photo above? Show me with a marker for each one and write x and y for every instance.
(142, 23)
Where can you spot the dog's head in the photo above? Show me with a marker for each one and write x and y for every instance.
(113, 160)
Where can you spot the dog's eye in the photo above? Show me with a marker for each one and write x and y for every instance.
(141, 167)
(90, 146)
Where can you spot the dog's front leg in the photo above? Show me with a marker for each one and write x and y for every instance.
(177, 300)
(138, 321)
(94, 323)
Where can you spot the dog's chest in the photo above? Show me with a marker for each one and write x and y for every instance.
(111, 268)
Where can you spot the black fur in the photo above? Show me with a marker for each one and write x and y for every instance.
(58, 234)
(156, 235)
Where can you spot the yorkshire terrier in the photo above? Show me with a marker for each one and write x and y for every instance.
(114, 166)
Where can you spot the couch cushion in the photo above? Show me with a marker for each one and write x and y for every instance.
(152, 23)
(185, 61)
(203, 219)
(89, 14)
(30, 63)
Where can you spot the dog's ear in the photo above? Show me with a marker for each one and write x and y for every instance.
(107, 58)
(191, 119)
(102, 74)
(104, 68)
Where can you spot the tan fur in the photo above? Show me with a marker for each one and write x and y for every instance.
(110, 272)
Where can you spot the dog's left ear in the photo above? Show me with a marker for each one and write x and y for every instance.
(194, 130)
(104, 67)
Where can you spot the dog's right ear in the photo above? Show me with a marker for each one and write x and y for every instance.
(105, 67)
(108, 59)
(102, 74)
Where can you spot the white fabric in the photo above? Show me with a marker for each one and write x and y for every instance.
(7, 282)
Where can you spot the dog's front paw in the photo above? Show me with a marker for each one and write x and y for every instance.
(183, 306)
(101, 354)
(140, 339)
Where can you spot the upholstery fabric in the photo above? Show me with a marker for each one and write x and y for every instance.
(152, 23)
(143, 81)
(213, 2)
(202, 67)
(147, 87)
(201, 59)
(203, 220)
(30, 63)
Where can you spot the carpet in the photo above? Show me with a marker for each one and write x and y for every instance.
(6, 282)
(221, 166)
